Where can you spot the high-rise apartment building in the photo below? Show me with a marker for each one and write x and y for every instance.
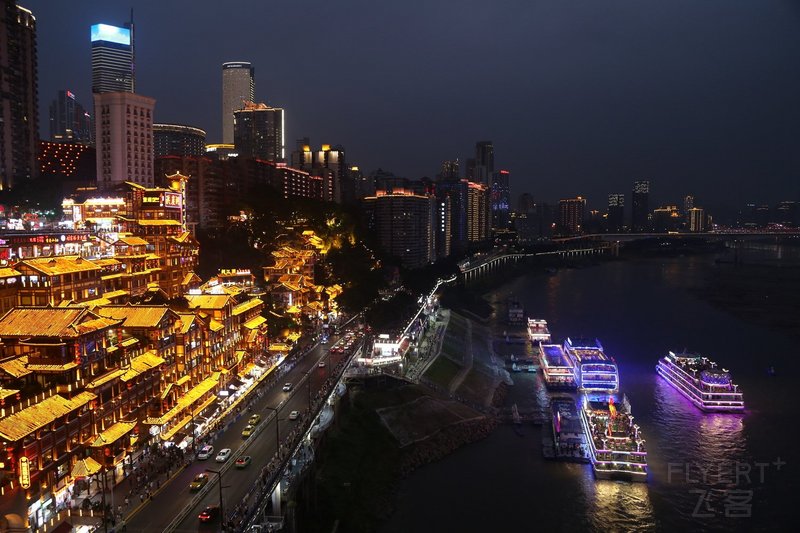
(258, 132)
(69, 121)
(124, 138)
(238, 87)
(616, 213)
(501, 200)
(478, 213)
(450, 170)
(179, 140)
(697, 219)
(19, 95)
(640, 210)
(571, 212)
(113, 59)
(404, 223)
(484, 163)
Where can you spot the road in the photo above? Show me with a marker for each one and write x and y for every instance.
(236, 482)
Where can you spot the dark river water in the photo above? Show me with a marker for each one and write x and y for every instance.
(707, 471)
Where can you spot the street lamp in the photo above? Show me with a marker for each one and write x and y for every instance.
(221, 508)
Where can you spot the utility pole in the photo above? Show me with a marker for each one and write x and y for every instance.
(221, 508)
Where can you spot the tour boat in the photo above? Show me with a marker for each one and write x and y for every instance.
(596, 371)
(557, 367)
(537, 330)
(616, 446)
(700, 380)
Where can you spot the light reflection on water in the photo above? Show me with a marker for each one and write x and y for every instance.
(619, 505)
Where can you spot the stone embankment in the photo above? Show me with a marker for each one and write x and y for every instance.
(445, 442)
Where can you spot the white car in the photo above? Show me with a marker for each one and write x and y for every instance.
(294, 415)
(287, 387)
(205, 452)
(322, 364)
(223, 455)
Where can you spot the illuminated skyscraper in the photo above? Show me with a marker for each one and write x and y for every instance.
(640, 210)
(258, 132)
(571, 213)
(238, 87)
(113, 68)
(179, 140)
(19, 111)
(616, 212)
(501, 200)
(69, 121)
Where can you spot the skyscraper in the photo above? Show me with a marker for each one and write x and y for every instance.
(69, 121)
(258, 132)
(571, 213)
(478, 213)
(238, 87)
(616, 212)
(697, 219)
(501, 200)
(124, 138)
(640, 210)
(450, 170)
(113, 68)
(19, 94)
(484, 163)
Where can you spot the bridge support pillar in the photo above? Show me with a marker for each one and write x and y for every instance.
(276, 500)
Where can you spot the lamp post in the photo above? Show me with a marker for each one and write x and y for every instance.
(221, 508)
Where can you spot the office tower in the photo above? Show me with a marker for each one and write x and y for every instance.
(338, 187)
(478, 213)
(404, 223)
(616, 212)
(113, 65)
(124, 138)
(69, 121)
(688, 203)
(501, 200)
(258, 132)
(484, 163)
(443, 233)
(640, 210)
(238, 87)
(449, 171)
(19, 95)
(697, 219)
(302, 156)
(469, 169)
(179, 140)
(571, 212)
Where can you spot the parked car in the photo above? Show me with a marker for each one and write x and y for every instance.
(223, 455)
(255, 419)
(247, 431)
(205, 452)
(209, 514)
(287, 387)
(294, 415)
(198, 482)
(243, 461)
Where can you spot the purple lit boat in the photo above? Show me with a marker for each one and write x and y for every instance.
(705, 384)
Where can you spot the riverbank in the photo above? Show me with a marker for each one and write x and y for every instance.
(387, 429)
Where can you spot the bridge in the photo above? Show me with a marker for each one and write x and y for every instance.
(478, 266)
(726, 234)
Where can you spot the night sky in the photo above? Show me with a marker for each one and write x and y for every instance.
(579, 96)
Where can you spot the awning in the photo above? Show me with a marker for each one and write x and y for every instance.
(52, 368)
(247, 306)
(168, 434)
(113, 433)
(85, 468)
(142, 363)
(183, 380)
(186, 400)
(240, 354)
(5, 393)
(130, 341)
(16, 367)
(166, 391)
(115, 294)
(279, 347)
(255, 322)
(216, 326)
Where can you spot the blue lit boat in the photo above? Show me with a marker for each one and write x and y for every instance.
(596, 370)
(616, 446)
(699, 379)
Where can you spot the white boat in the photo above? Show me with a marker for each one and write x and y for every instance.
(538, 331)
(699, 379)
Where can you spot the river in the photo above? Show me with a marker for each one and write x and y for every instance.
(639, 309)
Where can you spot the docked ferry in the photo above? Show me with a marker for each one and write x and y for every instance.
(705, 384)
(538, 331)
(516, 313)
(616, 446)
(596, 371)
(557, 367)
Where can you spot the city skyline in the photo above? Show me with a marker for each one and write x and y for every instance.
(665, 103)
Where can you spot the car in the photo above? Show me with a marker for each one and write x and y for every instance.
(255, 419)
(243, 461)
(223, 455)
(209, 514)
(294, 415)
(247, 431)
(287, 387)
(205, 452)
(198, 482)
(321, 364)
